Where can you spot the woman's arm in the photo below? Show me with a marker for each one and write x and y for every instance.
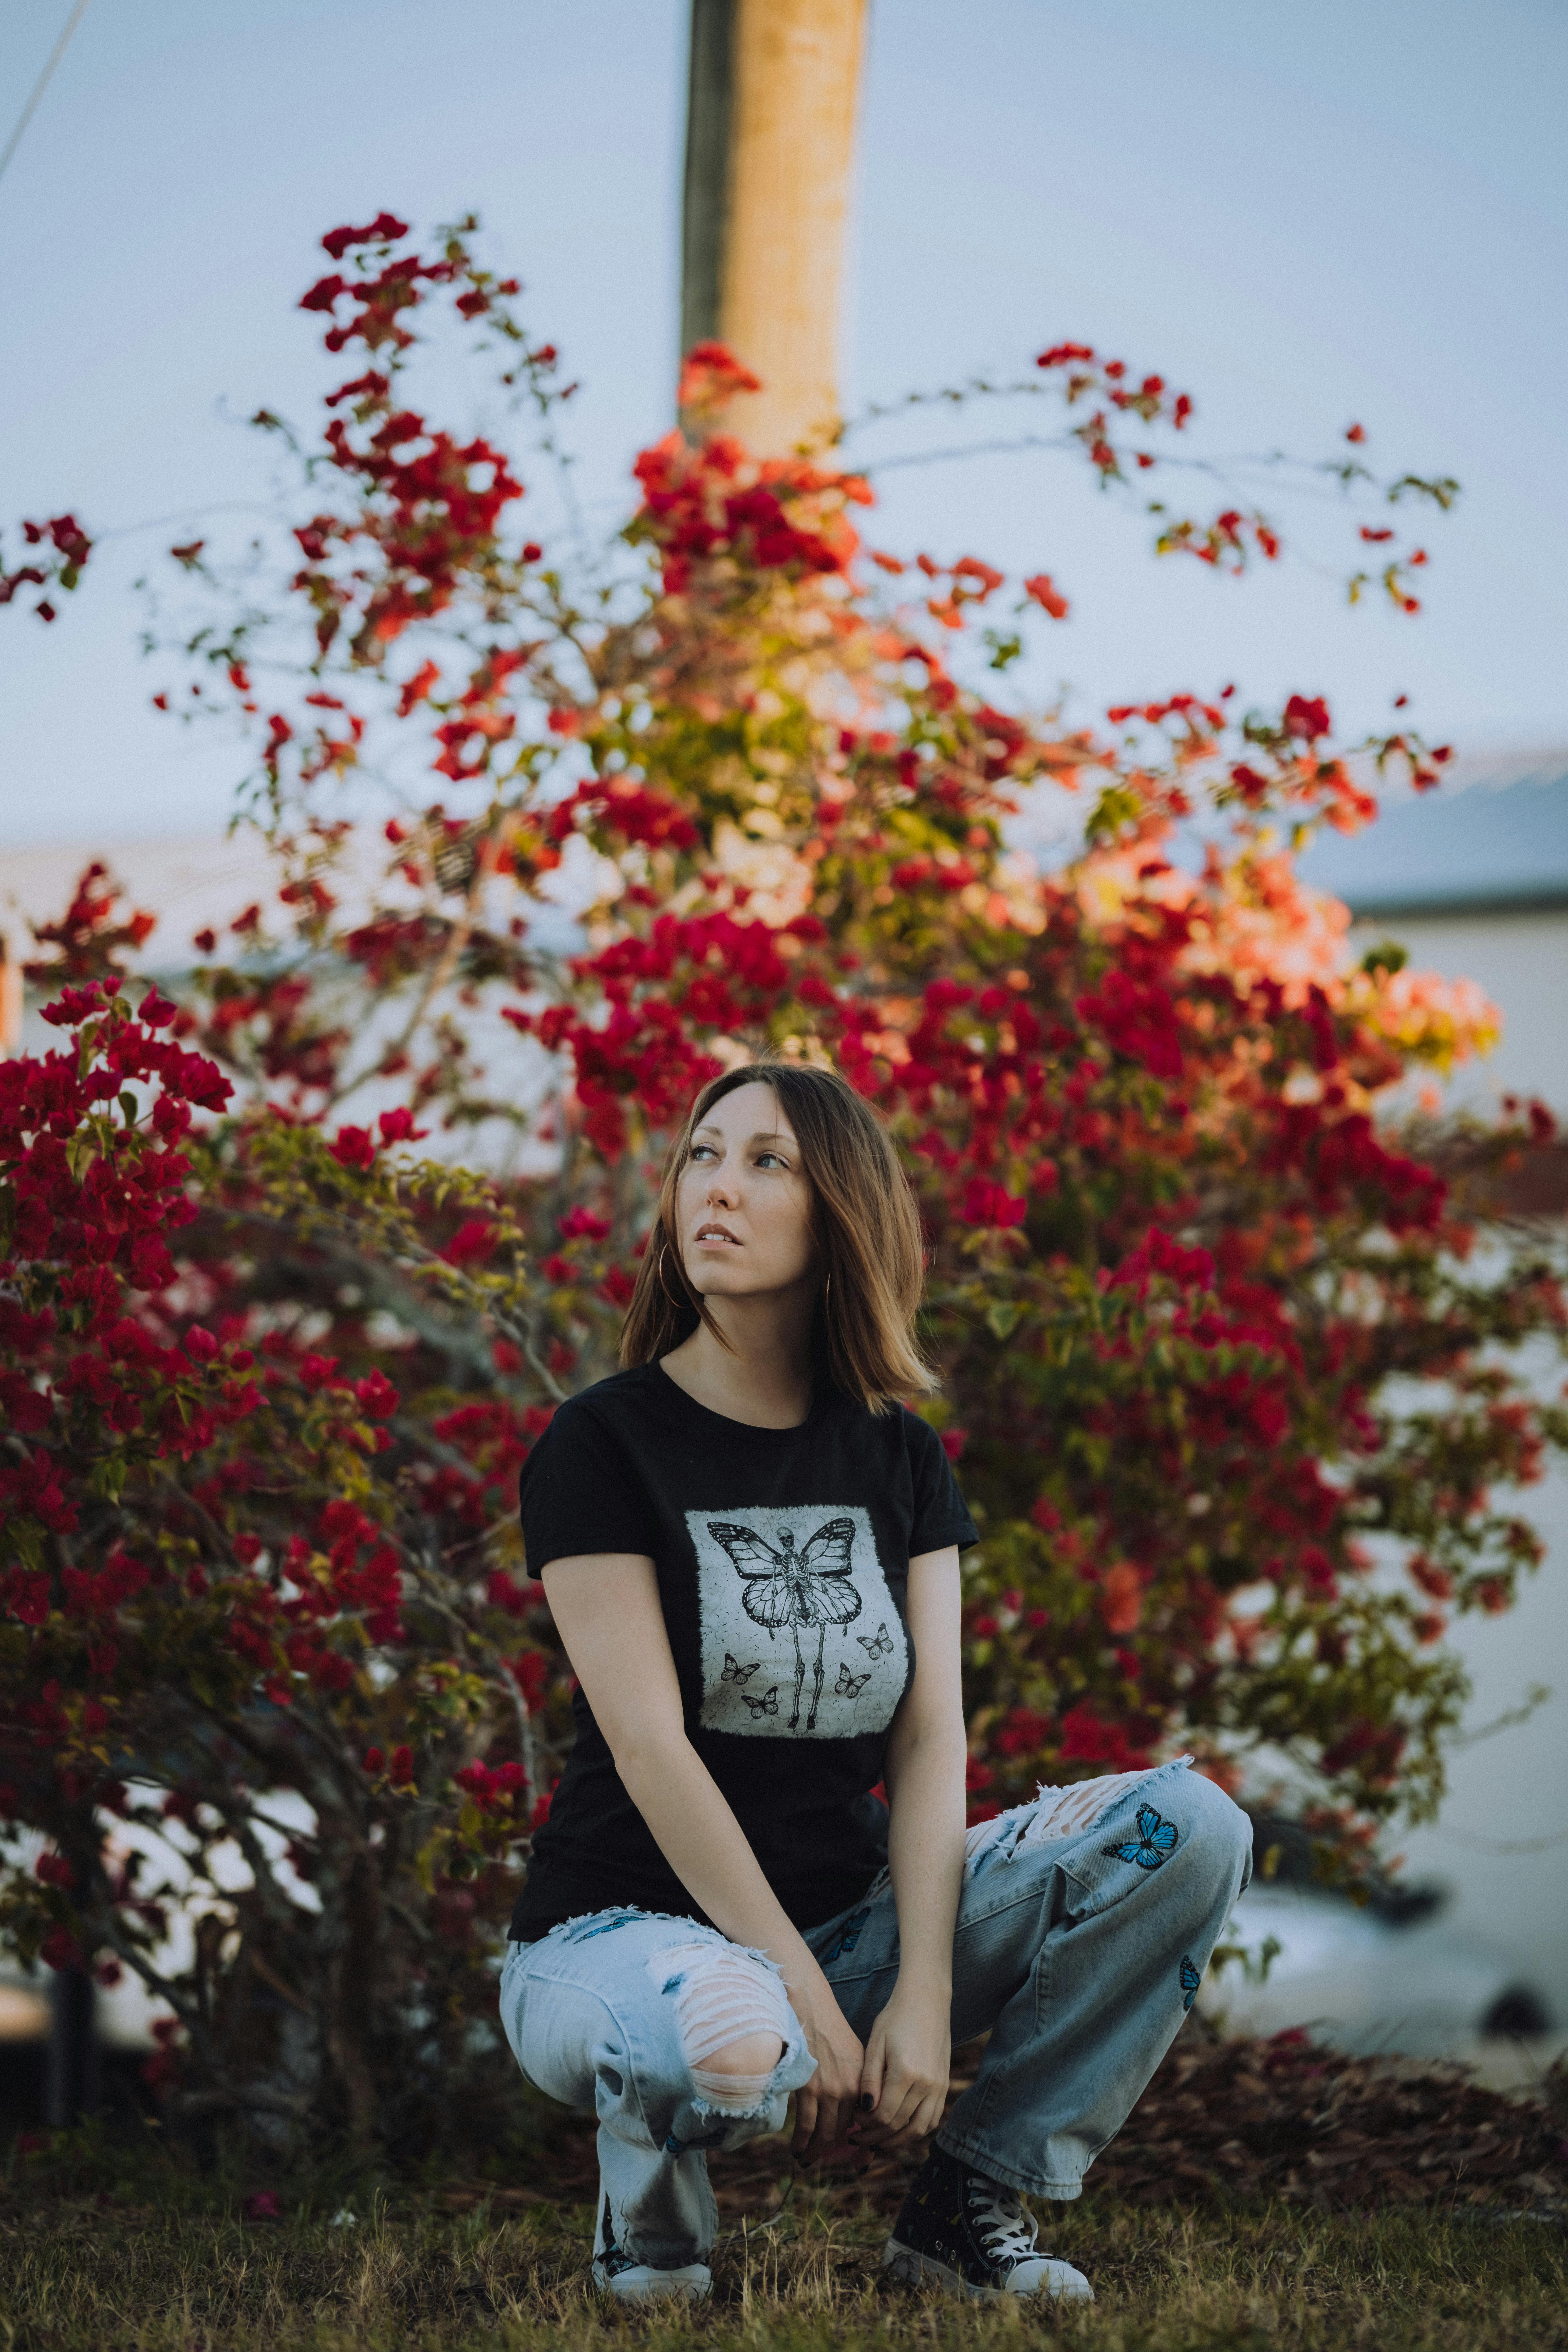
(908, 2054)
(607, 1611)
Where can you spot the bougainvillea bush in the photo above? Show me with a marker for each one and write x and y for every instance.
(302, 1246)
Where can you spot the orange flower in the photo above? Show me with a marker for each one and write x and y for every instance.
(1121, 1597)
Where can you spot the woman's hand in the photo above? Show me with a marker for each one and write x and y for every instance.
(903, 2086)
(827, 2106)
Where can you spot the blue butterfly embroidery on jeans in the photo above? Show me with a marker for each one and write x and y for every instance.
(1191, 1980)
(1153, 1844)
(849, 1936)
(582, 1931)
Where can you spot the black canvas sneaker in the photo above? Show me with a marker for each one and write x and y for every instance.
(973, 2236)
(621, 2274)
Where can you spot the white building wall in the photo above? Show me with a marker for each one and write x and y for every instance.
(1521, 961)
(1501, 1842)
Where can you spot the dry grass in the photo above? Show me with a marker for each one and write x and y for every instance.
(81, 2274)
(1261, 2195)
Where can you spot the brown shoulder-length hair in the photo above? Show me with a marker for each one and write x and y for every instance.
(868, 1233)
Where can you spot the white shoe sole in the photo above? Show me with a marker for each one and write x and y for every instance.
(1060, 2283)
(644, 2285)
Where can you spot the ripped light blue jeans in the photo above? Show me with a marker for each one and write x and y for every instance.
(1084, 1925)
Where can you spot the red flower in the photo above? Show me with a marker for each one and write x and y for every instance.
(354, 1147)
(397, 1127)
(377, 1395)
(531, 1670)
(1044, 592)
(384, 229)
(472, 1242)
(1308, 717)
(989, 1203)
(710, 376)
(1087, 1738)
(578, 1223)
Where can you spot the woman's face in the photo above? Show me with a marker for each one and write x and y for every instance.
(742, 1202)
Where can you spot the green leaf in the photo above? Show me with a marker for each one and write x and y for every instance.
(1002, 1317)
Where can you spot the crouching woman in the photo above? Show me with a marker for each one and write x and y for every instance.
(751, 1552)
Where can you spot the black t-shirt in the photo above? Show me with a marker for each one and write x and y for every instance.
(782, 1559)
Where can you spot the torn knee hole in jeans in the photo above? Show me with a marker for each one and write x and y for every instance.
(1056, 1814)
(722, 1995)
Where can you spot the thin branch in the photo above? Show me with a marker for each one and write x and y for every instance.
(429, 1575)
(440, 971)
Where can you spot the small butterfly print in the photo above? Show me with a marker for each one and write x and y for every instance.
(767, 1705)
(850, 1686)
(734, 1671)
(1153, 1844)
(1191, 1980)
(849, 1936)
(877, 1644)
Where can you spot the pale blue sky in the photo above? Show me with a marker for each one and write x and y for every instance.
(1303, 214)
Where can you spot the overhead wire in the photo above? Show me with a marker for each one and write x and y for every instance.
(56, 54)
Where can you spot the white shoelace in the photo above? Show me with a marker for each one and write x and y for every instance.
(1004, 2228)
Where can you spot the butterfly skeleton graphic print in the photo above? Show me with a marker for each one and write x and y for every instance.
(809, 1586)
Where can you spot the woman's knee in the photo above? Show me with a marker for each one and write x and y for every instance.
(732, 2015)
(1216, 1831)
(752, 2054)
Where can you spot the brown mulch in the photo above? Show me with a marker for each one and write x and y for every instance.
(1286, 2118)
(1221, 2122)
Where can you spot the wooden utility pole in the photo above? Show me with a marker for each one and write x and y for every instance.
(770, 148)
(10, 1000)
